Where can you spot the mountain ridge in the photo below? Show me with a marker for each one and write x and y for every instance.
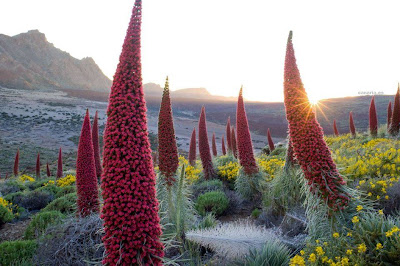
(29, 61)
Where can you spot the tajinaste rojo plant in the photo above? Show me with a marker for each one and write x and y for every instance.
(223, 146)
(351, 125)
(86, 179)
(16, 164)
(214, 146)
(48, 170)
(373, 119)
(248, 180)
(38, 166)
(270, 141)
(167, 150)
(130, 211)
(395, 121)
(204, 147)
(335, 129)
(96, 145)
(59, 165)
(312, 153)
(192, 148)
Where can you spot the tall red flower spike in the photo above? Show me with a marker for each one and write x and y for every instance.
(86, 179)
(351, 125)
(96, 145)
(192, 148)
(270, 141)
(38, 166)
(389, 115)
(130, 211)
(234, 143)
(16, 164)
(228, 135)
(335, 130)
(395, 121)
(244, 143)
(167, 149)
(223, 146)
(373, 120)
(60, 165)
(48, 170)
(204, 147)
(307, 138)
(214, 146)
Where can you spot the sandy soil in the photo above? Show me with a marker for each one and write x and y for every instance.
(51, 118)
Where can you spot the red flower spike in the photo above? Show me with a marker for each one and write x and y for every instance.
(270, 141)
(373, 120)
(335, 130)
(60, 165)
(167, 149)
(204, 147)
(16, 164)
(234, 143)
(306, 135)
(48, 170)
(389, 115)
(86, 179)
(244, 143)
(214, 146)
(228, 135)
(38, 166)
(96, 145)
(395, 121)
(223, 146)
(130, 211)
(351, 125)
(192, 148)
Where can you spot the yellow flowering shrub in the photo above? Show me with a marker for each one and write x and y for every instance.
(66, 181)
(192, 173)
(358, 157)
(229, 171)
(376, 188)
(26, 178)
(371, 240)
(270, 165)
(6, 204)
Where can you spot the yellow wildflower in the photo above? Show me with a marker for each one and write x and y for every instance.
(362, 248)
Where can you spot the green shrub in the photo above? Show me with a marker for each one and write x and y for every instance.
(38, 183)
(40, 221)
(31, 200)
(274, 253)
(13, 252)
(62, 191)
(6, 215)
(65, 204)
(214, 201)
(208, 221)
(11, 186)
(256, 213)
(206, 186)
(225, 159)
(53, 189)
(249, 186)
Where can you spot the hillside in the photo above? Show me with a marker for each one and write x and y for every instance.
(29, 61)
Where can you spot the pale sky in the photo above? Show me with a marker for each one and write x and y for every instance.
(342, 47)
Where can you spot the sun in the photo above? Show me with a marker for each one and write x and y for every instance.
(314, 100)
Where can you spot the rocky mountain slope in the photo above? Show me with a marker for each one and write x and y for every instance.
(29, 61)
